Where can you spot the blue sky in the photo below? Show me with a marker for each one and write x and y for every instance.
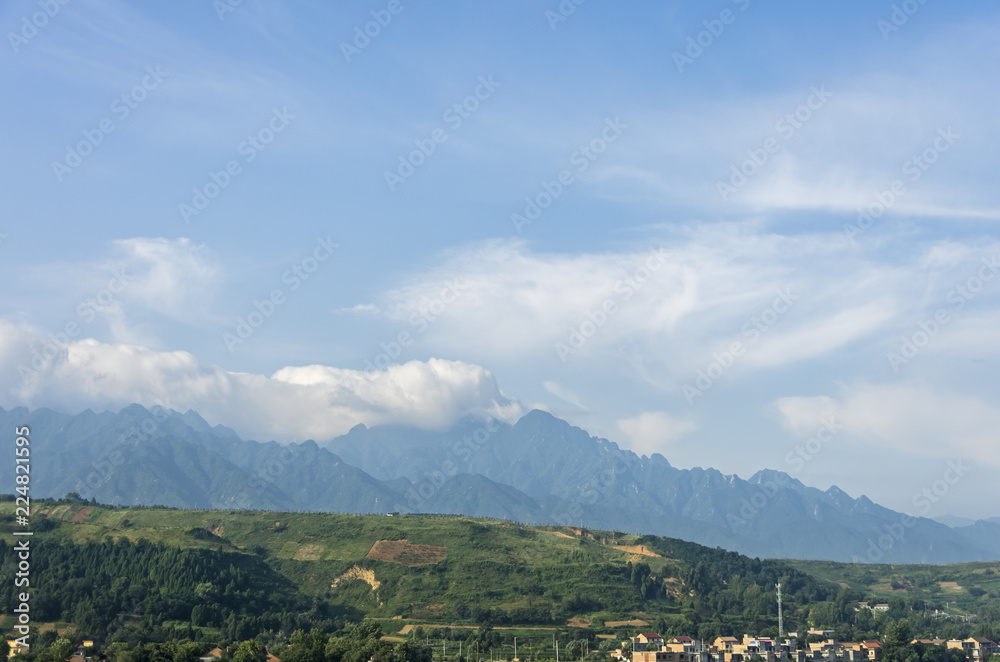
(643, 218)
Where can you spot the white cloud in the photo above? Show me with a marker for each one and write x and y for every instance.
(823, 335)
(294, 403)
(137, 283)
(801, 415)
(706, 285)
(850, 148)
(653, 431)
(173, 277)
(564, 394)
(912, 419)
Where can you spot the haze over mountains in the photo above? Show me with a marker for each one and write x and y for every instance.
(538, 470)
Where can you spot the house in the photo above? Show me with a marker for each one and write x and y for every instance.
(658, 656)
(976, 649)
(865, 651)
(757, 646)
(646, 641)
(881, 607)
(211, 656)
(725, 644)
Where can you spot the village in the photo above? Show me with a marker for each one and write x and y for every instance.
(650, 647)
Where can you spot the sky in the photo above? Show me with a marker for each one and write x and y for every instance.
(743, 235)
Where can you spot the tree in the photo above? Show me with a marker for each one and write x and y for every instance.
(896, 641)
(249, 651)
(60, 649)
(188, 652)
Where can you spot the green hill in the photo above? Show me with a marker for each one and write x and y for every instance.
(141, 573)
(960, 589)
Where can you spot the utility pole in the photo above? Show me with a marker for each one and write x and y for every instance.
(515, 648)
(781, 620)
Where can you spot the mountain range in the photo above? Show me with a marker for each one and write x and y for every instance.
(538, 470)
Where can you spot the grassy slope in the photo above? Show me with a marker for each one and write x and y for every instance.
(489, 564)
(945, 584)
(504, 565)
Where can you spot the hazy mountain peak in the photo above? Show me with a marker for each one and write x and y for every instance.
(541, 469)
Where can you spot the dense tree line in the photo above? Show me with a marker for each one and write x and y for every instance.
(356, 643)
(102, 587)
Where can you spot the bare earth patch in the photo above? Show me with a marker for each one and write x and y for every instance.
(636, 623)
(404, 553)
(561, 534)
(950, 586)
(362, 575)
(578, 622)
(309, 553)
(82, 515)
(639, 550)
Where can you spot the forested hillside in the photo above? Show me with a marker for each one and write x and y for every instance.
(140, 575)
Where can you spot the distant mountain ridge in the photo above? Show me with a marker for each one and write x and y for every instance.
(538, 470)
